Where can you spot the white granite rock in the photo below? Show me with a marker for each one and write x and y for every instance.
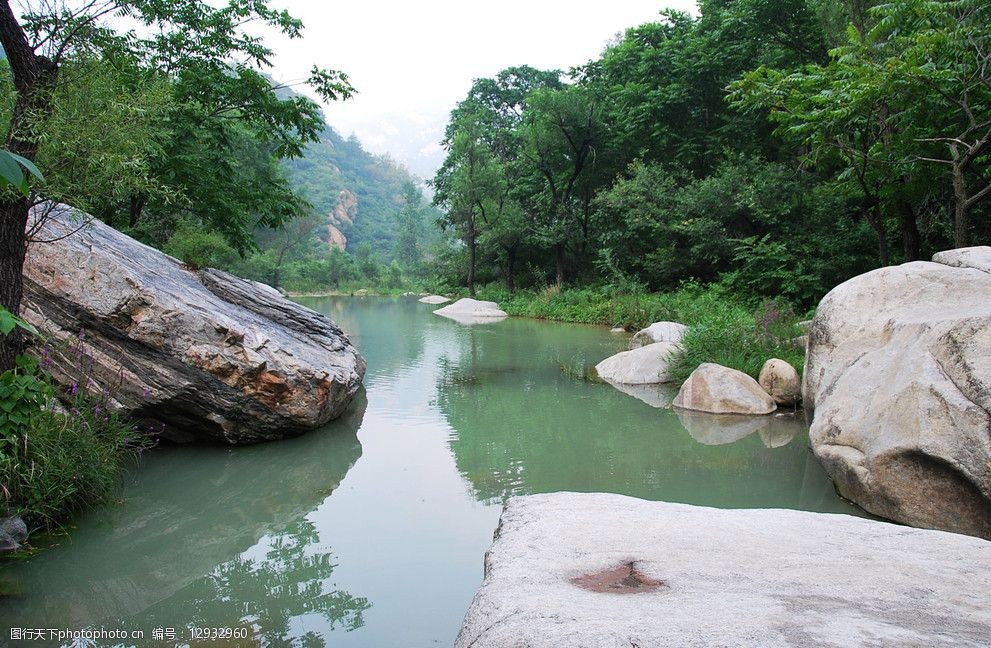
(658, 332)
(717, 389)
(898, 373)
(472, 311)
(682, 576)
(433, 299)
(645, 365)
(781, 381)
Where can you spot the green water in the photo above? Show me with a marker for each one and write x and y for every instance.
(372, 531)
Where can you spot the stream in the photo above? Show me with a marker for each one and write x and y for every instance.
(372, 532)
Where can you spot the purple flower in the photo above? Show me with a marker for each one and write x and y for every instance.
(146, 393)
(74, 389)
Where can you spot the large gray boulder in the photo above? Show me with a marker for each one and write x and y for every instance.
(646, 365)
(717, 389)
(199, 355)
(899, 375)
(658, 332)
(594, 570)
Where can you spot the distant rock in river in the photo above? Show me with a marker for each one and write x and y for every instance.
(433, 299)
(646, 365)
(206, 355)
(472, 311)
(658, 332)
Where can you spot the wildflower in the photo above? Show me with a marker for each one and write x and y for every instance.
(74, 389)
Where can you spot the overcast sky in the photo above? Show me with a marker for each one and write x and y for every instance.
(412, 61)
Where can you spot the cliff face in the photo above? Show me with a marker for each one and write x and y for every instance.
(202, 355)
(341, 217)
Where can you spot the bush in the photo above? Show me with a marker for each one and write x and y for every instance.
(63, 462)
(200, 248)
(56, 461)
(723, 328)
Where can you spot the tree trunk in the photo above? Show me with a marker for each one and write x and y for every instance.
(13, 244)
(33, 76)
(472, 234)
(510, 275)
(911, 239)
(136, 209)
(876, 220)
(559, 264)
(961, 210)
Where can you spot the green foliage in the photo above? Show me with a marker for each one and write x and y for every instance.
(200, 247)
(59, 463)
(23, 393)
(722, 328)
(12, 167)
(737, 337)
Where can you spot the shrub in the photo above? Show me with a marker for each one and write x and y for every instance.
(56, 461)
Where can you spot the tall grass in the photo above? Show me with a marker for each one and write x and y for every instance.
(723, 328)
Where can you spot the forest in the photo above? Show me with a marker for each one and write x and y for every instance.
(724, 169)
(774, 148)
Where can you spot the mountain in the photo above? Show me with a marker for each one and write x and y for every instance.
(358, 192)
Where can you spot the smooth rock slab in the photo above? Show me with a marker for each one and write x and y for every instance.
(472, 311)
(433, 299)
(197, 355)
(717, 389)
(646, 365)
(760, 578)
(658, 332)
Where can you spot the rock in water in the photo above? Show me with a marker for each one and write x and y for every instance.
(658, 332)
(898, 373)
(204, 356)
(472, 311)
(13, 533)
(717, 389)
(433, 299)
(588, 570)
(645, 365)
(780, 380)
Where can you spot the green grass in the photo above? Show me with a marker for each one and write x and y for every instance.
(723, 328)
(61, 463)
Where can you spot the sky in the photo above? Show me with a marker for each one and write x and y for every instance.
(411, 62)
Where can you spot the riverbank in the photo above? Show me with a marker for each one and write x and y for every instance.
(723, 328)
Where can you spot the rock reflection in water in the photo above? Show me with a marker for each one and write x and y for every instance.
(208, 535)
(658, 395)
(774, 431)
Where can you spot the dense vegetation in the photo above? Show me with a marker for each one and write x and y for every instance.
(775, 147)
(158, 118)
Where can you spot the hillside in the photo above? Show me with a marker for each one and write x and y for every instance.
(359, 193)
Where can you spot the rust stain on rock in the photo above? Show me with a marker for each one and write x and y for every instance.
(624, 579)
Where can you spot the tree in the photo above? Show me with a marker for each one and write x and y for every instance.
(563, 130)
(191, 41)
(409, 222)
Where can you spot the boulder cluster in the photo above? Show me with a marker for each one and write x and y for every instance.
(712, 388)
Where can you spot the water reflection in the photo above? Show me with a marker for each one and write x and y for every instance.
(523, 426)
(658, 395)
(206, 535)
